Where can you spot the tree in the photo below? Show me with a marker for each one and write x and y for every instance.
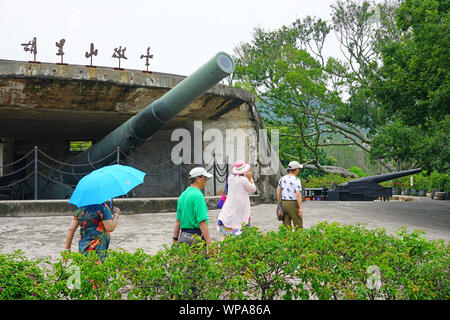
(412, 86)
(399, 143)
(360, 28)
(297, 89)
(393, 81)
(412, 146)
(413, 81)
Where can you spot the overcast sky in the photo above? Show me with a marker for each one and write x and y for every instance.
(182, 34)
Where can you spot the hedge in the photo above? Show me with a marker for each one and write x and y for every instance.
(327, 261)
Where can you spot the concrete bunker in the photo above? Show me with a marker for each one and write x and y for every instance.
(49, 106)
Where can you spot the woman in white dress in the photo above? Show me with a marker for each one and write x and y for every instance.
(235, 213)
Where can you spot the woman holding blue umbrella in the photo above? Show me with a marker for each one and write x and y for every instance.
(93, 215)
(96, 223)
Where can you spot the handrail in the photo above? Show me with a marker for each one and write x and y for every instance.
(17, 161)
(16, 182)
(75, 165)
(18, 170)
(40, 160)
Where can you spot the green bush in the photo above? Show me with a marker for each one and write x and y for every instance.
(86, 278)
(21, 278)
(326, 181)
(422, 181)
(440, 181)
(358, 171)
(327, 261)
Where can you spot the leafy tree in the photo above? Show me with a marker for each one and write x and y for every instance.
(412, 87)
(360, 27)
(399, 143)
(414, 80)
(413, 146)
(297, 88)
(389, 96)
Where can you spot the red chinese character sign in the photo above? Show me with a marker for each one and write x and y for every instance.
(119, 53)
(60, 52)
(31, 47)
(92, 52)
(147, 57)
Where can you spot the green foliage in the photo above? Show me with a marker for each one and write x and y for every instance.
(327, 261)
(20, 278)
(397, 142)
(178, 272)
(328, 180)
(86, 278)
(422, 181)
(390, 97)
(439, 181)
(414, 79)
(349, 156)
(414, 146)
(291, 87)
(358, 171)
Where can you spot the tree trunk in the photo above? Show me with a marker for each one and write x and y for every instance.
(332, 169)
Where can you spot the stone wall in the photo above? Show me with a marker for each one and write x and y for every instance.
(233, 136)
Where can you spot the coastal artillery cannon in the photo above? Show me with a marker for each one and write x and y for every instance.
(140, 128)
(367, 188)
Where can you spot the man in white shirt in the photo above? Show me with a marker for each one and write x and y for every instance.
(290, 192)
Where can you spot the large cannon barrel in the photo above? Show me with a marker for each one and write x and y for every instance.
(367, 188)
(138, 129)
(383, 177)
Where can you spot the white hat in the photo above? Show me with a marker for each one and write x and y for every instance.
(240, 167)
(294, 165)
(199, 171)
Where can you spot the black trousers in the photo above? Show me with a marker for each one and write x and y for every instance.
(190, 236)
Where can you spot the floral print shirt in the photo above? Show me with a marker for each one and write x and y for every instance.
(289, 185)
(93, 235)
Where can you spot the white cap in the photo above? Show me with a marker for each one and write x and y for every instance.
(199, 171)
(294, 165)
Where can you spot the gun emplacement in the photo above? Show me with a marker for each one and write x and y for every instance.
(367, 188)
(140, 128)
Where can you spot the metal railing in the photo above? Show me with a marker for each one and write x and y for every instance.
(18, 179)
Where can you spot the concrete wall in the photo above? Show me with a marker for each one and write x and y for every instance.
(42, 208)
(233, 136)
(154, 158)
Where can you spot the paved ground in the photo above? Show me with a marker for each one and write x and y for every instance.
(44, 236)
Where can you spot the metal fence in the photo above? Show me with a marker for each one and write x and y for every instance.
(20, 180)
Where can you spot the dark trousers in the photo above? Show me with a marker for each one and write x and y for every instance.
(290, 209)
(190, 236)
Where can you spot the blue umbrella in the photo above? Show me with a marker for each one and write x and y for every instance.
(105, 183)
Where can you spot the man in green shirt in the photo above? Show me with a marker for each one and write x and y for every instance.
(192, 212)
